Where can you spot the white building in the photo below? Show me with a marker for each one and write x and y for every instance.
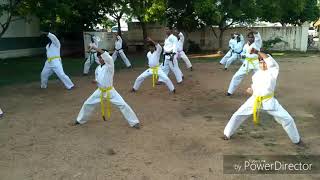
(21, 38)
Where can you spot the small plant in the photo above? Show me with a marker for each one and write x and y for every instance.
(193, 47)
(267, 45)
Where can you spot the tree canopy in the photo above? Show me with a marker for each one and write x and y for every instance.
(79, 15)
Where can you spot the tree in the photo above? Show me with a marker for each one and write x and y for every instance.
(117, 10)
(107, 23)
(225, 13)
(182, 15)
(147, 11)
(67, 16)
(9, 13)
(296, 12)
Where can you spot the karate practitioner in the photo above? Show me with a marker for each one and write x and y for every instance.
(106, 92)
(92, 54)
(170, 56)
(1, 113)
(154, 70)
(181, 54)
(250, 63)
(53, 63)
(118, 50)
(236, 50)
(232, 41)
(262, 90)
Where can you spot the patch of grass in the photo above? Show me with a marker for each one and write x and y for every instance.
(28, 69)
(269, 144)
(257, 136)
(205, 59)
(294, 53)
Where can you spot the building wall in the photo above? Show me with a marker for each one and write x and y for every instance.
(107, 40)
(21, 38)
(294, 38)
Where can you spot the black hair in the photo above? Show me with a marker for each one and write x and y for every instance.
(99, 53)
(92, 40)
(250, 34)
(265, 51)
(150, 44)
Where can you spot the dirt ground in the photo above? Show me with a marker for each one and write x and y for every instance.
(180, 138)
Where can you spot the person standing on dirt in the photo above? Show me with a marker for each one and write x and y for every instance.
(262, 91)
(170, 56)
(1, 113)
(232, 42)
(250, 63)
(236, 50)
(92, 54)
(106, 92)
(118, 50)
(180, 53)
(53, 63)
(154, 70)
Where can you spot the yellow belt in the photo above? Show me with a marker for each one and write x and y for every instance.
(103, 91)
(53, 57)
(154, 74)
(250, 61)
(257, 106)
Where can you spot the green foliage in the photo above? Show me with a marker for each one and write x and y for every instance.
(182, 15)
(148, 10)
(107, 23)
(295, 12)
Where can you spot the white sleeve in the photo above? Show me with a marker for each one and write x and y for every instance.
(244, 50)
(241, 39)
(273, 66)
(54, 40)
(96, 42)
(158, 49)
(107, 59)
(174, 40)
(96, 73)
(230, 43)
(258, 40)
(181, 36)
(120, 39)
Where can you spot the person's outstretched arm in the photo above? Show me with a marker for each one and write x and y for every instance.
(55, 41)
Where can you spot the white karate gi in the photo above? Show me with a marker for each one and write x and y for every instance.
(232, 42)
(119, 50)
(92, 56)
(153, 61)
(246, 66)
(170, 47)
(263, 84)
(181, 53)
(236, 52)
(1, 112)
(104, 77)
(53, 64)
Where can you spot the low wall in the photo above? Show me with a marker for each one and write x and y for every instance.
(293, 38)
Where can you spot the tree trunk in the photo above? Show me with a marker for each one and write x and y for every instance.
(186, 41)
(5, 26)
(144, 34)
(119, 26)
(221, 38)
